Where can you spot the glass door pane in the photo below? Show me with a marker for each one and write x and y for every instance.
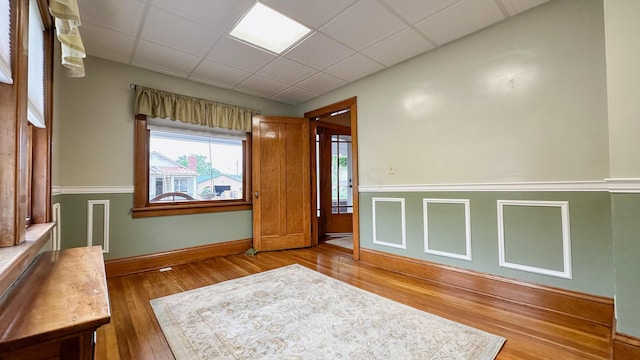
(341, 194)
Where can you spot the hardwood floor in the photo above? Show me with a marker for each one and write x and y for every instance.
(531, 333)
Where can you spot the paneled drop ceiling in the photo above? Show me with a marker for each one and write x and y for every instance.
(350, 39)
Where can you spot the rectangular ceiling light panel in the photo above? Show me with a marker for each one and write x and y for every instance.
(269, 29)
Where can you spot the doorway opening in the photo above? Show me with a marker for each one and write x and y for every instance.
(334, 176)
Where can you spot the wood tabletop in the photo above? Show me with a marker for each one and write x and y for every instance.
(61, 293)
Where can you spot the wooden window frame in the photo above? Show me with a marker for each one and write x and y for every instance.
(143, 208)
(25, 168)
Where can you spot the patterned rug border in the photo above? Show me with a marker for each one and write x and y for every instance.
(182, 348)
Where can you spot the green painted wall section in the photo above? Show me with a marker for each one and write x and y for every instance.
(533, 236)
(389, 229)
(447, 228)
(130, 237)
(626, 243)
(590, 224)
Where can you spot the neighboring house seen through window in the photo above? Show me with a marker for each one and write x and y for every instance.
(205, 167)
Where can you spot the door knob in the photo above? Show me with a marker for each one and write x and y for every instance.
(257, 194)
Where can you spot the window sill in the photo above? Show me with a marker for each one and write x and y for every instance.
(186, 209)
(15, 259)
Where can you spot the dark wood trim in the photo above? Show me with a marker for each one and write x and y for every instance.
(137, 264)
(25, 169)
(593, 308)
(625, 347)
(186, 209)
(352, 105)
(140, 162)
(41, 150)
(337, 106)
(142, 207)
(13, 129)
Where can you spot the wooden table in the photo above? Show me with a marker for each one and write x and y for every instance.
(56, 306)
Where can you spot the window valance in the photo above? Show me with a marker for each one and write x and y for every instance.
(67, 20)
(162, 104)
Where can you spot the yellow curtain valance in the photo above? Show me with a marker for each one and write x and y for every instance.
(165, 105)
(67, 20)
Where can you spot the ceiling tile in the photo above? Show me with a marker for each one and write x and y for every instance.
(218, 15)
(219, 75)
(119, 15)
(239, 55)
(313, 13)
(286, 71)
(363, 24)
(414, 11)
(107, 44)
(460, 19)
(294, 95)
(362, 37)
(179, 35)
(401, 46)
(354, 68)
(159, 58)
(517, 6)
(321, 83)
(261, 86)
(319, 51)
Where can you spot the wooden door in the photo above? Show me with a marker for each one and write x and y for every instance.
(281, 183)
(336, 201)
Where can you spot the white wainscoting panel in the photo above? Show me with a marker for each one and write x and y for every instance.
(403, 244)
(467, 225)
(105, 223)
(57, 230)
(566, 238)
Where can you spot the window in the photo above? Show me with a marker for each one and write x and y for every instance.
(189, 169)
(25, 139)
(5, 42)
(35, 108)
(341, 194)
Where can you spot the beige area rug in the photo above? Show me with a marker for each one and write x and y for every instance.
(296, 313)
(345, 242)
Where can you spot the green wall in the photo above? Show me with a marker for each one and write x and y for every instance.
(93, 136)
(533, 230)
(622, 31)
(626, 233)
(523, 100)
(129, 237)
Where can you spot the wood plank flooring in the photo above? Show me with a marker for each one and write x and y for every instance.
(531, 333)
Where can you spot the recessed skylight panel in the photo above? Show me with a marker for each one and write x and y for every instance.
(269, 29)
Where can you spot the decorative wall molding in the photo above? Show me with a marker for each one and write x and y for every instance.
(403, 245)
(507, 186)
(105, 223)
(467, 225)
(615, 185)
(57, 230)
(566, 238)
(78, 190)
(623, 185)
